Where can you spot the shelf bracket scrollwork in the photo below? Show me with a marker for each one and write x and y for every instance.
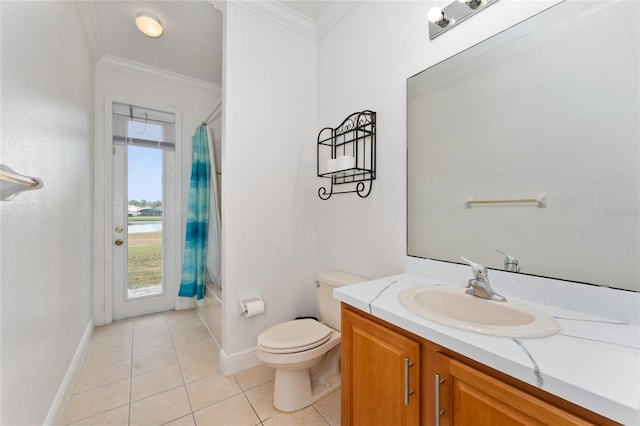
(347, 156)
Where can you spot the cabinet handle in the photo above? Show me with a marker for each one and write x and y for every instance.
(439, 412)
(407, 391)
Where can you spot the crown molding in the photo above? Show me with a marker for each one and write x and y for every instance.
(281, 14)
(126, 65)
(332, 16)
(284, 15)
(220, 5)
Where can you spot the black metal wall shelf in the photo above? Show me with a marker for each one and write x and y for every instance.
(347, 155)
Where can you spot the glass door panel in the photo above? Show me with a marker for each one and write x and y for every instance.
(144, 260)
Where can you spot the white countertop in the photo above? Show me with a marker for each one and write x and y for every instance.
(592, 361)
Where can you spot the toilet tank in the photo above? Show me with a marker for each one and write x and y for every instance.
(328, 306)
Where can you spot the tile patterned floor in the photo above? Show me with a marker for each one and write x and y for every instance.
(162, 370)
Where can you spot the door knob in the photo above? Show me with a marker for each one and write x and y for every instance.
(119, 242)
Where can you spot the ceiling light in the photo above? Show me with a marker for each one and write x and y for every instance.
(148, 24)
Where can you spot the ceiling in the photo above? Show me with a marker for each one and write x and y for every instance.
(192, 41)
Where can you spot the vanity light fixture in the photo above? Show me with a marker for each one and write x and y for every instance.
(438, 17)
(473, 4)
(441, 20)
(149, 25)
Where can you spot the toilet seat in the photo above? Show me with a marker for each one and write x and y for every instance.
(294, 336)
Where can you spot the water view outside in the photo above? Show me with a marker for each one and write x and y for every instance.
(144, 229)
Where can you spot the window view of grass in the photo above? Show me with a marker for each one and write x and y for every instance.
(144, 263)
(145, 256)
(145, 259)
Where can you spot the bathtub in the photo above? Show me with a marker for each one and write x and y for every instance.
(209, 309)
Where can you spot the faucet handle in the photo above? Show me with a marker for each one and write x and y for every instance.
(510, 262)
(479, 271)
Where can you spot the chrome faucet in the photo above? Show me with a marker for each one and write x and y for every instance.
(479, 285)
(510, 262)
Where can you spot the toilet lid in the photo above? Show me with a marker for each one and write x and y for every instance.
(294, 336)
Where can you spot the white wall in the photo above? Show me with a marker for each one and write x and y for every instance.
(364, 62)
(268, 162)
(45, 235)
(281, 88)
(146, 86)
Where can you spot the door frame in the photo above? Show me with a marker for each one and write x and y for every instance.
(107, 187)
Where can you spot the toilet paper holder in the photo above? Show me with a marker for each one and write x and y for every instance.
(251, 306)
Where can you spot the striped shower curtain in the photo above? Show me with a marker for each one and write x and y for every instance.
(195, 246)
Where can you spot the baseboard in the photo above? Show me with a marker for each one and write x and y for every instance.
(98, 319)
(65, 391)
(232, 363)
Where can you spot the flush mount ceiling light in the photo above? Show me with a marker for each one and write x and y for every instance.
(149, 25)
(441, 20)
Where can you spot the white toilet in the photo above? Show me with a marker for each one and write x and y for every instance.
(306, 353)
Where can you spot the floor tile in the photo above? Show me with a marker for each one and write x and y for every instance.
(261, 399)
(103, 341)
(210, 390)
(156, 344)
(184, 322)
(155, 382)
(198, 368)
(191, 335)
(255, 376)
(173, 316)
(200, 349)
(135, 374)
(103, 375)
(307, 417)
(161, 408)
(117, 416)
(187, 420)
(150, 332)
(329, 408)
(155, 361)
(90, 403)
(107, 356)
(125, 326)
(149, 321)
(232, 411)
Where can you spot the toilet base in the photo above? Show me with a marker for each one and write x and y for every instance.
(297, 389)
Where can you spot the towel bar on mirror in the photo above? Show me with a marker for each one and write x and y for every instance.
(12, 183)
(540, 201)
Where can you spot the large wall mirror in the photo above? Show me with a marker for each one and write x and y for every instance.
(549, 106)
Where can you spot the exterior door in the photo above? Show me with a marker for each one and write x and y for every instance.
(142, 219)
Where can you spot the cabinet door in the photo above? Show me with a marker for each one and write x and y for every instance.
(479, 399)
(380, 374)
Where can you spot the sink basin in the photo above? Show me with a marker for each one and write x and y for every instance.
(451, 306)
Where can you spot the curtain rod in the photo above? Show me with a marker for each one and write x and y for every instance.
(205, 122)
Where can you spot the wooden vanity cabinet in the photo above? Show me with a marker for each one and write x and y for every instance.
(380, 388)
(380, 374)
(471, 397)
